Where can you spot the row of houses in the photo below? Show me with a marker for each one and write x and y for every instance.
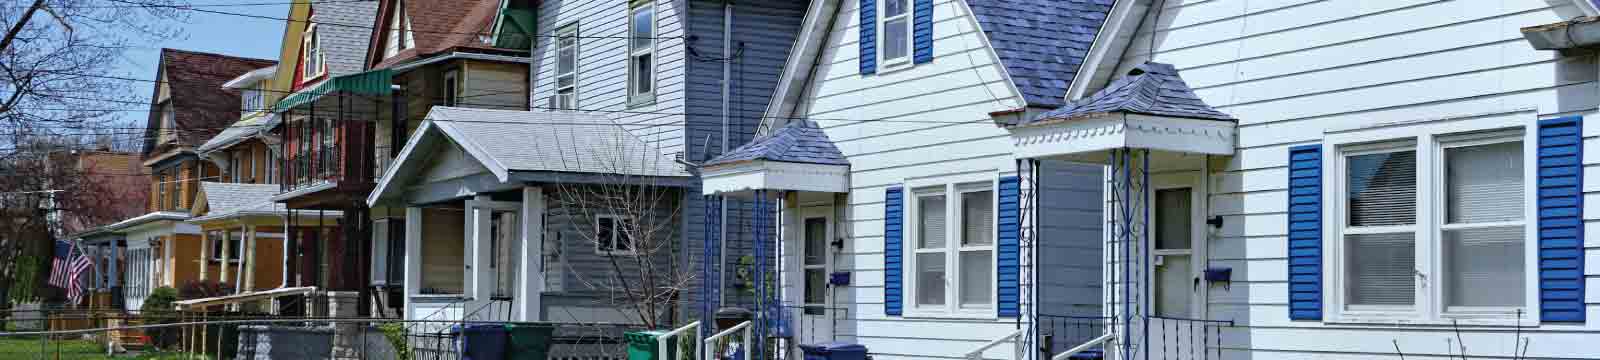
(927, 178)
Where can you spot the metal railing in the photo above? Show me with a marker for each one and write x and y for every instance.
(672, 339)
(1016, 338)
(1175, 338)
(1056, 331)
(1086, 346)
(711, 346)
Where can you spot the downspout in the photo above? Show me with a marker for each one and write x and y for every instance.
(727, 71)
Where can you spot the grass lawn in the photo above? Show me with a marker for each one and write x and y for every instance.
(28, 348)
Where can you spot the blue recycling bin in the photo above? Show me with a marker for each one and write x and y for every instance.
(1088, 355)
(481, 342)
(834, 351)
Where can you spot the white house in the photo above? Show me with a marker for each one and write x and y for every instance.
(1280, 179)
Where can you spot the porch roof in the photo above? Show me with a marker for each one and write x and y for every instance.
(513, 141)
(238, 132)
(375, 82)
(229, 200)
(1150, 107)
(799, 156)
(797, 142)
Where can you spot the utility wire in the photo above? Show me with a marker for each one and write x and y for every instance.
(368, 27)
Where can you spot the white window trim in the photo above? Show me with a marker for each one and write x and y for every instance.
(570, 29)
(635, 97)
(321, 68)
(910, 16)
(616, 231)
(1428, 138)
(451, 90)
(952, 188)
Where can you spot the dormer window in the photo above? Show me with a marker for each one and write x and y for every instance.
(311, 54)
(251, 100)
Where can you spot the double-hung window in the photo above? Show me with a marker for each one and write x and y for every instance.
(952, 248)
(894, 18)
(1433, 227)
(613, 235)
(451, 88)
(641, 52)
(311, 63)
(566, 68)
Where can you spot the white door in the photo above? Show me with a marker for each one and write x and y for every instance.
(817, 316)
(1178, 235)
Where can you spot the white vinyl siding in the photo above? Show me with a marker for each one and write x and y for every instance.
(1298, 72)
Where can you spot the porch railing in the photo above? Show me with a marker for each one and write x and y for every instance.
(720, 342)
(672, 339)
(1175, 338)
(1019, 351)
(1056, 331)
(1084, 347)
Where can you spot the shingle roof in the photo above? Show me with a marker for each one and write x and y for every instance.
(344, 47)
(438, 26)
(221, 197)
(239, 131)
(1041, 43)
(555, 141)
(797, 142)
(1150, 88)
(201, 108)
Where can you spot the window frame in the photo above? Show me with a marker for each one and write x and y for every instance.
(617, 224)
(635, 96)
(952, 188)
(1429, 139)
(570, 29)
(884, 62)
(450, 89)
(234, 251)
(311, 69)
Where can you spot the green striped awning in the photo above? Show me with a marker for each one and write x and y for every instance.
(375, 82)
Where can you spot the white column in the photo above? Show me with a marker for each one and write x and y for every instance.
(248, 266)
(480, 278)
(530, 287)
(205, 242)
(413, 282)
(223, 265)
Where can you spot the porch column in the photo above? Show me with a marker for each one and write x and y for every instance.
(205, 241)
(248, 266)
(111, 255)
(531, 287)
(413, 282)
(223, 264)
(479, 285)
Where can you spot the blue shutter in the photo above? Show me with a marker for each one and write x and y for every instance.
(1305, 232)
(893, 224)
(1007, 244)
(922, 31)
(1561, 219)
(869, 37)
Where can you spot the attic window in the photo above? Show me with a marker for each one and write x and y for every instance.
(311, 52)
(399, 37)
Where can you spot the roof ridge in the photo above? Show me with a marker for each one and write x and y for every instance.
(196, 52)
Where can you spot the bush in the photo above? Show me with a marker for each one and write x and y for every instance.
(158, 309)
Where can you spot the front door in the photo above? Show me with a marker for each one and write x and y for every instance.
(1178, 234)
(816, 314)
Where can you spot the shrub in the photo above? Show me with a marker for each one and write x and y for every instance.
(158, 309)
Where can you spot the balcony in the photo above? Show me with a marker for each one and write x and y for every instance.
(328, 162)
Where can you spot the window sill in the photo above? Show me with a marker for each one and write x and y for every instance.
(1444, 321)
(439, 298)
(638, 101)
(975, 314)
(888, 68)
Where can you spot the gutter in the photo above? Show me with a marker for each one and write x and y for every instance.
(462, 55)
(1580, 32)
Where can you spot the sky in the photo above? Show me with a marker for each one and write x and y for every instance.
(212, 33)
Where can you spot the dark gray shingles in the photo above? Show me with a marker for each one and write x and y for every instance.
(798, 142)
(1041, 42)
(1150, 88)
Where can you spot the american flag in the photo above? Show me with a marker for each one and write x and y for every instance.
(67, 269)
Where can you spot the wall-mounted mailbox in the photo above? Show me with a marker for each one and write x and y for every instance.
(839, 278)
(1222, 274)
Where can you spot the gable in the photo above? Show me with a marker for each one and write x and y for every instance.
(450, 162)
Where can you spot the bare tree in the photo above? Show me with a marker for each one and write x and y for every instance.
(55, 57)
(634, 219)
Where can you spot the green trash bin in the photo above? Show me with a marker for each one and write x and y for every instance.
(528, 341)
(642, 345)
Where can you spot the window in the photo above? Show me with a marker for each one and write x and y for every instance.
(613, 235)
(566, 68)
(399, 36)
(234, 166)
(169, 128)
(443, 252)
(816, 265)
(234, 239)
(251, 100)
(1435, 227)
(641, 53)
(894, 18)
(953, 248)
(311, 50)
(451, 88)
(503, 230)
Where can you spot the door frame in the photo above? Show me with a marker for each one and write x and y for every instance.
(480, 257)
(1198, 236)
(826, 212)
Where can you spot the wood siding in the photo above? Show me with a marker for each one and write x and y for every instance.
(1293, 70)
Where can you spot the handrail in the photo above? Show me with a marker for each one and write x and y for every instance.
(1015, 335)
(1080, 348)
(709, 348)
(661, 342)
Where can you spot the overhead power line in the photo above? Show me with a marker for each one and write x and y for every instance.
(368, 27)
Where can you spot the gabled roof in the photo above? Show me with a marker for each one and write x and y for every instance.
(201, 107)
(437, 27)
(509, 141)
(798, 142)
(1150, 88)
(1041, 43)
(228, 200)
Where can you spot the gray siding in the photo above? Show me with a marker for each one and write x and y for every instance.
(587, 275)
